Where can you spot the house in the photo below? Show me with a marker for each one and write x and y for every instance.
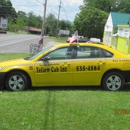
(111, 27)
(123, 39)
(32, 30)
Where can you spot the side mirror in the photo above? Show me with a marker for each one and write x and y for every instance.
(46, 58)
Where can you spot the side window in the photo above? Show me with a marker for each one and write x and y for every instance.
(107, 53)
(61, 53)
(83, 52)
(88, 52)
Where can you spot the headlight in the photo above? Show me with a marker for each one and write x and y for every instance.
(0, 68)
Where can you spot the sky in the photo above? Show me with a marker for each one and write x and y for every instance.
(68, 10)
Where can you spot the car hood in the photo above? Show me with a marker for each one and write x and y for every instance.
(14, 62)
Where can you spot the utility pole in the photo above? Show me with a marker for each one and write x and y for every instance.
(44, 17)
(58, 18)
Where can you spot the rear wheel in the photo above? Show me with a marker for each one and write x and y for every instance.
(113, 81)
(16, 81)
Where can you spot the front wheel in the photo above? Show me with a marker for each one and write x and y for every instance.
(16, 81)
(113, 81)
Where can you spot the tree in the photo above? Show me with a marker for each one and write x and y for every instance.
(109, 5)
(90, 22)
(104, 5)
(39, 21)
(64, 25)
(50, 25)
(31, 19)
(21, 19)
(123, 6)
(6, 9)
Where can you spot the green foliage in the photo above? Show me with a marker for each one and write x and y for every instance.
(64, 25)
(33, 20)
(6, 9)
(23, 20)
(50, 25)
(109, 5)
(90, 22)
(123, 6)
(104, 5)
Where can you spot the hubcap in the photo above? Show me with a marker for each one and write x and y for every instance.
(113, 82)
(16, 82)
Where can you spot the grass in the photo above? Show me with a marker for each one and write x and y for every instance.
(74, 108)
(9, 56)
(58, 39)
(48, 109)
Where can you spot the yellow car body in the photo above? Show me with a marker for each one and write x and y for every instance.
(76, 64)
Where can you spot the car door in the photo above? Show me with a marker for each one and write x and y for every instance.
(55, 69)
(88, 66)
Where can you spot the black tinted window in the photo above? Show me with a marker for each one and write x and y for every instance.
(107, 53)
(88, 52)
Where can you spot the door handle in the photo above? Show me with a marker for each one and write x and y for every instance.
(101, 62)
(66, 65)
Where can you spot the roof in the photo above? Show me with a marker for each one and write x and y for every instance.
(33, 29)
(120, 18)
(81, 44)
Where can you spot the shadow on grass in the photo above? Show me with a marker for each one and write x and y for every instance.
(82, 88)
(50, 110)
(67, 88)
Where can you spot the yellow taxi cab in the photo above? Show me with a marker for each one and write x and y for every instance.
(82, 64)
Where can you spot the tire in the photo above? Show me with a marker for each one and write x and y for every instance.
(17, 81)
(113, 81)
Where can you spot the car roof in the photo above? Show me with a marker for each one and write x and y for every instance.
(100, 45)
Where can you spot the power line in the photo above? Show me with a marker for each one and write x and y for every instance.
(52, 10)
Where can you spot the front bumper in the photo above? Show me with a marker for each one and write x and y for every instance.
(2, 79)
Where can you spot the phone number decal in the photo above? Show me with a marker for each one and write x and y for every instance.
(88, 68)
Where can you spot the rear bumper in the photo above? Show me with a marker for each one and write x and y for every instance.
(127, 75)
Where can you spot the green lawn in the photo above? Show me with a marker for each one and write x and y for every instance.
(58, 39)
(75, 108)
(9, 56)
(71, 109)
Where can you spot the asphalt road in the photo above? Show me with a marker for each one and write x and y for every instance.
(19, 43)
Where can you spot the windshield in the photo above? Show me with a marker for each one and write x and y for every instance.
(39, 53)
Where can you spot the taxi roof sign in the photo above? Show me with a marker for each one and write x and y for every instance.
(95, 40)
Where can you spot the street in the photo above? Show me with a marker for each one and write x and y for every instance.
(19, 43)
